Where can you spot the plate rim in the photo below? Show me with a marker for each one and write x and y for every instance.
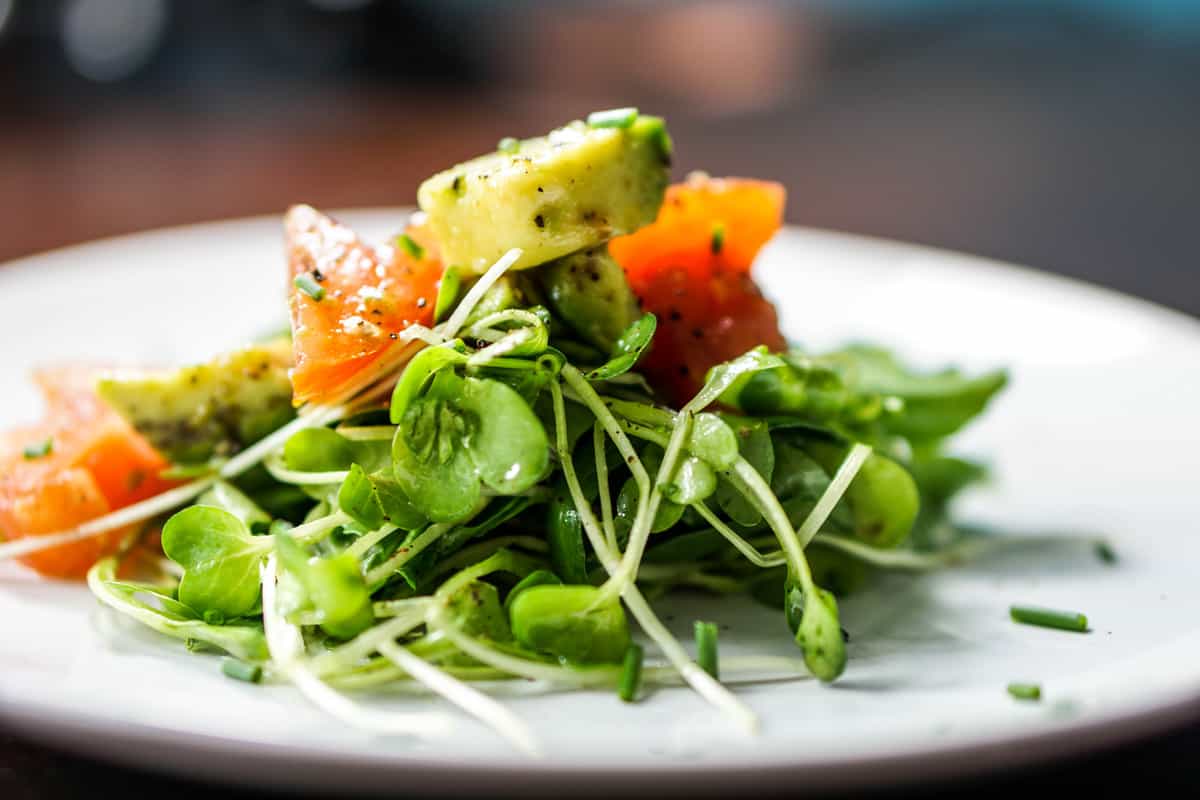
(183, 752)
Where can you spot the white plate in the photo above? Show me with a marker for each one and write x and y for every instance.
(1097, 435)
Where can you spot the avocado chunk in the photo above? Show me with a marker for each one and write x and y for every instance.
(571, 190)
(191, 414)
(589, 292)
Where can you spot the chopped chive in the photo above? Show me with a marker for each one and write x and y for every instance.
(241, 670)
(508, 145)
(306, 284)
(706, 647)
(1105, 553)
(1049, 618)
(410, 246)
(631, 673)
(1025, 691)
(718, 238)
(613, 118)
(39, 449)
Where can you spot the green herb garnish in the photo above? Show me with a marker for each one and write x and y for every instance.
(38, 449)
(1049, 618)
(613, 118)
(305, 283)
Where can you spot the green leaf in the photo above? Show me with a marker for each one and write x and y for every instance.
(755, 445)
(507, 442)
(333, 586)
(692, 481)
(713, 440)
(723, 376)
(476, 610)
(628, 349)
(934, 404)
(541, 577)
(498, 512)
(220, 559)
(429, 459)
(418, 373)
(228, 497)
(358, 498)
(166, 615)
(883, 498)
(318, 450)
(571, 623)
(668, 513)
(398, 509)
(564, 534)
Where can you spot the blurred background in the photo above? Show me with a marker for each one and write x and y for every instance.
(1057, 133)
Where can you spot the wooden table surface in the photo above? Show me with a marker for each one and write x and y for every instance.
(1094, 175)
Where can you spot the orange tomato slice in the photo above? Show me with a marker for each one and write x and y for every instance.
(97, 463)
(691, 269)
(369, 295)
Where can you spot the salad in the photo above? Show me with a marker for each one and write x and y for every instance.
(485, 446)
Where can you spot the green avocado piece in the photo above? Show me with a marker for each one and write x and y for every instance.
(589, 291)
(571, 190)
(191, 414)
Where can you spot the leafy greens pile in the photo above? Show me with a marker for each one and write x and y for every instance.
(511, 508)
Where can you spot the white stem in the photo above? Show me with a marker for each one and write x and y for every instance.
(275, 466)
(450, 329)
(138, 512)
(833, 493)
(472, 701)
(599, 442)
(407, 552)
(367, 433)
(700, 681)
(316, 530)
(751, 553)
(286, 646)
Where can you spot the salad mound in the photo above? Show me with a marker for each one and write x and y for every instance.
(485, 445)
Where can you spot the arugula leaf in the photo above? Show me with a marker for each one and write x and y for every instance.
(934, 404)
(220, 559)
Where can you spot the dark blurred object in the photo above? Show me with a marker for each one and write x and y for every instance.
(1058, 134)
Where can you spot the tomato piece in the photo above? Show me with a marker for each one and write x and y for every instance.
(56, 500)
(370, 295)
(748, 211)
(709, 309)
(703, 323)
(96, 463)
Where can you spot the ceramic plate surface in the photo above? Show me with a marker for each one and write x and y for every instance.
(1096, 436)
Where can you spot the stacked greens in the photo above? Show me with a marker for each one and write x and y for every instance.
(512, 508)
